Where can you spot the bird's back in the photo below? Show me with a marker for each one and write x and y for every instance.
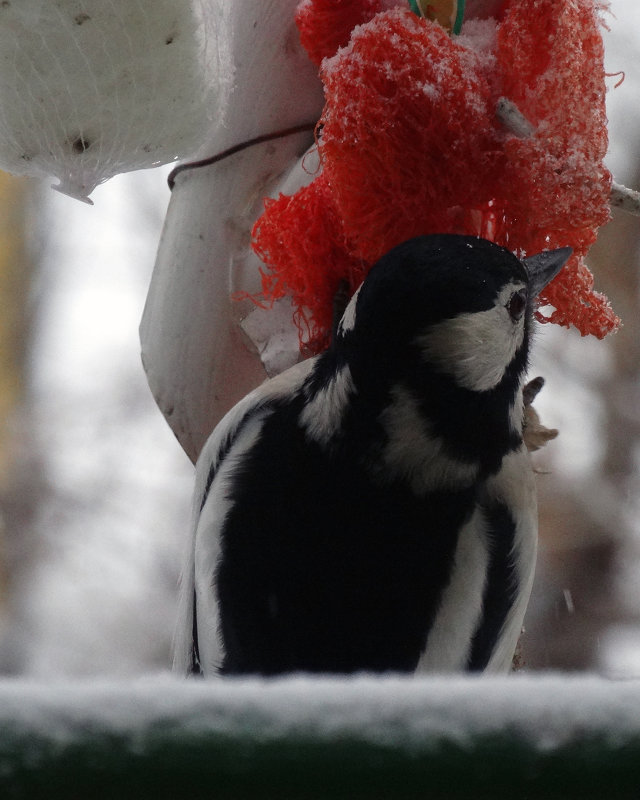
(347, 582)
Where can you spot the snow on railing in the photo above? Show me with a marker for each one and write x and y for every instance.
(522, 736)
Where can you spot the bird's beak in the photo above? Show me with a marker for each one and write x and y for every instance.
(544, 267)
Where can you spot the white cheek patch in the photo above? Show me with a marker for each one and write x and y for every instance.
(322, 415)
(415, 454)
(475, 348)
(348, 321)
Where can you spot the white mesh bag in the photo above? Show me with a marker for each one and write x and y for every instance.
(92, 88)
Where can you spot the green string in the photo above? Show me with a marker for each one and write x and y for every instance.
(457, 25)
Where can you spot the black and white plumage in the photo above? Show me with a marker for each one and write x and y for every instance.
(374, 508)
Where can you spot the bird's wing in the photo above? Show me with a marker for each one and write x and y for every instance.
(233, 436)
(480, 614)
(512, 490)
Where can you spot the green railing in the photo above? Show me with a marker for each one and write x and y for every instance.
(519, 738)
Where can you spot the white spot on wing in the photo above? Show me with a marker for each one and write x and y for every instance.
(256, 403)
(450, 637)
(475, 348)
(348, 320)
(414, 453)
(449, 641)
(322, 415)
(514, 486)
(207, 544)
(516, 413)
(284, 385)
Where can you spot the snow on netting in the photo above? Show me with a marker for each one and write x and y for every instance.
(411, 143)
(92, 88)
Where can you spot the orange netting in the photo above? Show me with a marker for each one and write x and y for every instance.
(326, 25)
(410, 144)
(302, 241)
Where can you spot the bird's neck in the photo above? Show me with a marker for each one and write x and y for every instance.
(421, 428)
(434, 433)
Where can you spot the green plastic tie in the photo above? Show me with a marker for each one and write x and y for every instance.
(416, 7)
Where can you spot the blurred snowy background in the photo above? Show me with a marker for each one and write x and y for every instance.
(95, 491)
(97, 508)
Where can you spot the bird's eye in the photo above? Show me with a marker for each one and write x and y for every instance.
(517, 304)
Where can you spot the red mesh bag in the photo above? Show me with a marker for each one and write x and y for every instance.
(553, 71)
(301, 242)
(410, 144)
(418, 138)
(326, 25)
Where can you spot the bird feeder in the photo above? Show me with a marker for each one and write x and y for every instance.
(201, 346)
(91, 89)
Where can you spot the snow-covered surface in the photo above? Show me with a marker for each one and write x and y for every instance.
(548, 711)
(99, 589)
(340, 738)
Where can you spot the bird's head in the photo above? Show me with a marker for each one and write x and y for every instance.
(460, 305)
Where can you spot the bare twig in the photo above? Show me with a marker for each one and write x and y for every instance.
(516, 123)
(625, 199)
(513, 119)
